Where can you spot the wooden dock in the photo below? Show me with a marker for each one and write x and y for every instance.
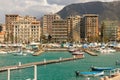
(36, 63)
(38, 52)
(90, 52)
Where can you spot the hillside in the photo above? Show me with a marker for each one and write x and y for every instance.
(105, 10)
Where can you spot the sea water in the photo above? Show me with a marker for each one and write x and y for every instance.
(57, 71)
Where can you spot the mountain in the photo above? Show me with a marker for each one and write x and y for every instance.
(105, 10)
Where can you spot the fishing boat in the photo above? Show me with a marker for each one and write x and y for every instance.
(90, 73)
(78, 54)
(101, 68)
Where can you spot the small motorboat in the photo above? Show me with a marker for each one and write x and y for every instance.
(91, 73)
(78, 54)
(101, 68)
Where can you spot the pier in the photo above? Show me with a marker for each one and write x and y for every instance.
(56, 49)
(38, 52)
(90, 52)
(21, 66)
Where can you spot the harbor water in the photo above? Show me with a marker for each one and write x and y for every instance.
(57, 71)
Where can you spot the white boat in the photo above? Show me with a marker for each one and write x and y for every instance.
(3, 52)
(28, 51)
(73, 49)
(78, 54)
(19, 54)
(90, 73)
(106, 50)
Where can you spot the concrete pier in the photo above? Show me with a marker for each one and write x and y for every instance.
(38, 52)
(37, 63)
(90, 52)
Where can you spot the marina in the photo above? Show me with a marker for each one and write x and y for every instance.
(67, 68)
(56, 40)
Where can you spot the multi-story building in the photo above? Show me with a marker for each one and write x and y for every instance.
(73, 23)
(23, 29)
(47, 23)
(89, 28)
(118, 34)
(110, 30)
(2, 33)
(59, 31)
(9, 18)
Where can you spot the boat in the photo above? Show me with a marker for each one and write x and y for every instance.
(3, 52)
(73, 50)
(106, 50)
(20, 53)
(78, 54)
(101, 68)
(90, 73)
(28, 51)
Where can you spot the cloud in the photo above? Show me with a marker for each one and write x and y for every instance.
(67, 2)
(27, 7)
(34, 7)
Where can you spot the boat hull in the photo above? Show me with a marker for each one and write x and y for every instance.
(101, 68)
(78, 54)
(92, 73)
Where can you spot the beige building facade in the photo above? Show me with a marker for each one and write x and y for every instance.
(59, 31)
(23, 29)
(73, 23)
(47, 23)
(2, 33)
(9, 18)
(89, 28)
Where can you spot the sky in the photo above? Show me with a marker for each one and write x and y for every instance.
(36, 8)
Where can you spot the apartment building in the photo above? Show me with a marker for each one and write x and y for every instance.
(9, 18)
(2, 33)
(73, 23)
(111, 30)
(47, 23)
(59, 31)
(22, 29)
(89, 28)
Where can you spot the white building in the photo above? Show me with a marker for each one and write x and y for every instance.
(26, 29)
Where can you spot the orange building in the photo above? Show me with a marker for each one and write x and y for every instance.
(2, 37)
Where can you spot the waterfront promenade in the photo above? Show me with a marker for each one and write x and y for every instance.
(20, 66)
